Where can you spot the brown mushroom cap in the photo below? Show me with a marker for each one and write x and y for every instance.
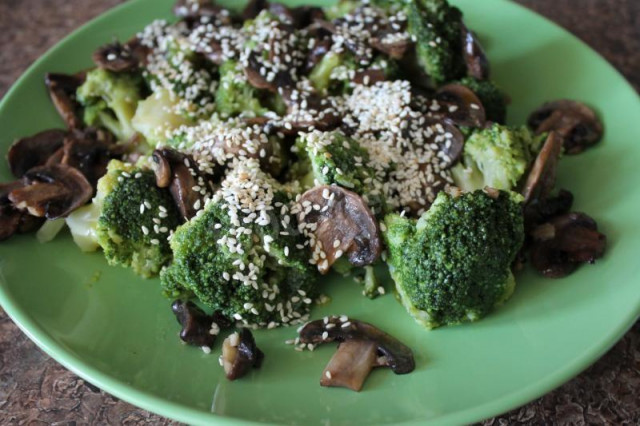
(240, 354)
(564, 242)
(62, 90)
(577, 124)
(32, 151)
(318, 112)
(89, 150)
(542, 177)
(537, 211)
(53, 191)
(9, 217)
(447, 137)
(180, 173)
(115, 57)
(393, 353)
(474, 56)
(461, 105)
(362, 347)
(194, 9)
(394, 48)
(198, 328)
(369, 77)
(340, 222)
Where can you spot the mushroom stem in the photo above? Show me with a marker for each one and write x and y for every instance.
(350, 365)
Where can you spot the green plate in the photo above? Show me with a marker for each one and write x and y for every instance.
(117, 331)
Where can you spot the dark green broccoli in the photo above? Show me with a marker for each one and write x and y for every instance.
(453, 264)
(436, 27)
(334, 158)
(496, 157)
(130, 218)
(254, 272)
(235, 95)
(110, 100)
(492, 97)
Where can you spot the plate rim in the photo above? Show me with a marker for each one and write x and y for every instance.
(183, 413)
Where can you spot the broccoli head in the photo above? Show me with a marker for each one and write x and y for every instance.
(235, 95)
(334, 158)
(496, 157)
(435, 25)
(243, 255)
(110, 100)
(492, 97)
(453, 264)
(174, 66)
(130, 218)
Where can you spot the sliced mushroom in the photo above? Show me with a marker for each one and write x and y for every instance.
(394, 48)
(181, 175)
(564, 242)
(198, 328)
(35, 150)
(89, 150)
(448, 138)
(320, 42)
(9, 217)
(339, 222)
(539, 211)
(240, 354)
(115, 57)
(308, 110)
(458, 103)
(369, 77)
(9, 221)
(474, 56)
(194, 9)
(253, 9)
(257, 76)
(362, 347)
(542, 177)
(350, 365)
(62, 90)
(576, 123)
(53, 191)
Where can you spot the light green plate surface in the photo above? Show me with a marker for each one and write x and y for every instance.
(118, 332)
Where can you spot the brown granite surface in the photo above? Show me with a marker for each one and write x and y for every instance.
(35, 390)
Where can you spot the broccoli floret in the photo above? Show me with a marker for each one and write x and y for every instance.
(175, 67)
(334, 158)
(492, 97)
(251, 270)
(235, 95)
(156, 115)
(496, 157)
(453, 264)
(110, 100)
(436, 27)
(130, 235)
(320, 76)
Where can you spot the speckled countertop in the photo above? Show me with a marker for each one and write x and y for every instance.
(36, 390)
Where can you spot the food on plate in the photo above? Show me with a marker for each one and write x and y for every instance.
(361, 348)
(240, 354)
(239, 155)
(454, 263)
